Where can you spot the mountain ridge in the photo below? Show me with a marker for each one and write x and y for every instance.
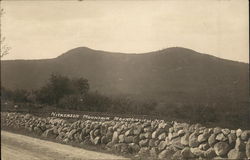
(167, 75)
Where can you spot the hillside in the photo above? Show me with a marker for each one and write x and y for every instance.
(171, 75)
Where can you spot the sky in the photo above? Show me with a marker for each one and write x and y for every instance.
(46, 29)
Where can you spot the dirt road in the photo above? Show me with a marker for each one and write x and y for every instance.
(19, 147)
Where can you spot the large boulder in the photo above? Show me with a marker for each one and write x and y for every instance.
(245, 135)
(162, 145)
(166, 154)
(240, 145)
(209, 154)
(193, 140)
(204, 146)
(221, 148)
(121, 138)
(97, 140)
(133, 148)
(221, 137)
(104, 140)
(236, 154)
(217, 130)
(143, 143)
(187, 154)
(231, 139)
(185, 139)
(115, 137)
(157, 132)
(137, 130)
(203, 137)
(129, 139)
(238, 132)
(212, 140)
(248, 148)
(49, 134)
(162, 136)
(197, 152)
(154, 152)
(144, 151)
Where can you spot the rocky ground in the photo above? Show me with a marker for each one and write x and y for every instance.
(145, 138)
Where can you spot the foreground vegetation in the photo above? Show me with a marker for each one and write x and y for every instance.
(64, 94)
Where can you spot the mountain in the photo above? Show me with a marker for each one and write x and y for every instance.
(169, 75)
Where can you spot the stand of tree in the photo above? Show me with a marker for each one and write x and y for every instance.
(74, 94)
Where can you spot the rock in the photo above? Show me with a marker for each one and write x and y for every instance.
(49, 134)
(217, 130)
(197, 152)
(142, 136)
(162, 136)
(187, 154)
(133, 148)
(177, 143)
(154, 152)
(136, 139)
(129, 132)
(238, 132)
(104, 140)
(226, 131)
(236, 154)
(27, 116)
(166, 154)
(110, 145)
(38, 131)
(137, 130)
(121, 138)
(120, 148)
(143, 143)
(221, 137)
(157, 132)
(103, 130)
(181, 133)
(172, 135)
(97, 132)
(144, 151)
(204, 146)
(221, 148)
(162, 145)
(240, 145)
(231, 139)
(71, 133)
(124, 148)
(148, 135)
(177, 155)
(115, 137)
(248, 148)
(203, 137)
(185, 139)
(212, 140)
(97, 140)
(193, 140)
(129, 139)
(151, 143)
(209, 154)
(245, 135)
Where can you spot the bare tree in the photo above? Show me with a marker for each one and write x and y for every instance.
(4, 49)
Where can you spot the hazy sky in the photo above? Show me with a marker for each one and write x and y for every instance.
(46, 29)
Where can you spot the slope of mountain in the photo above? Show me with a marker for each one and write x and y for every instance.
(173, 74)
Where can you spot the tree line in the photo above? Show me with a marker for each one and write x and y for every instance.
(74, 94)
(61, 92)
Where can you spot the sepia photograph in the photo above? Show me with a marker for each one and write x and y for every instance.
(125, 79)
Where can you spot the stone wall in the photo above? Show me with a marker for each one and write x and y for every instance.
(156, 139)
